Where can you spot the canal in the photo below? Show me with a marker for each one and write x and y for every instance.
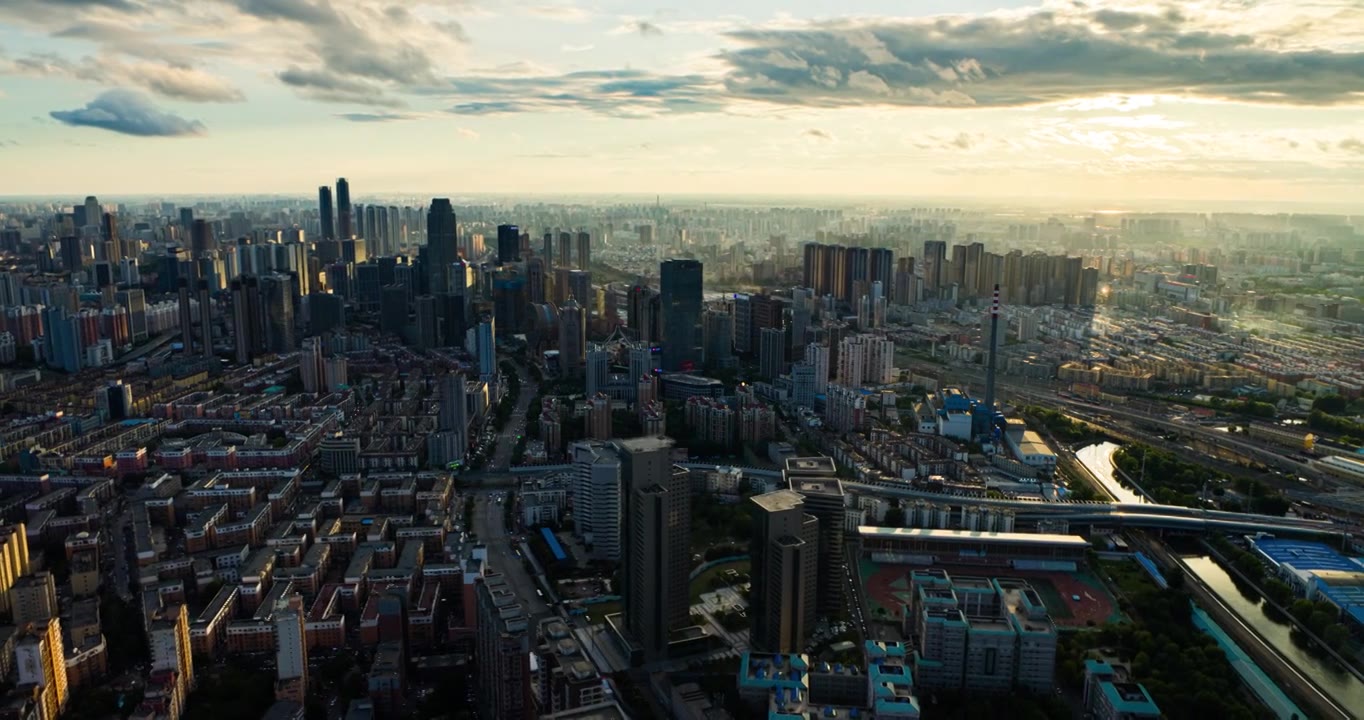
(1342, 687)
(1098, 459)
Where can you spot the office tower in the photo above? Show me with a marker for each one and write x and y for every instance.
(680, 289)
(93, 210)
(291, 651)
(186, 317)
(503, 652)
(41, 662)
(565, 249)
(248, 315)
(816, 479)
(111, 242)
(393, 310)
(326, 214)
(934, 259)
(578, 284)
(641, 318)
(719, 339)
(535, 280)
(326, 313)
(785, 572)
(508, 244)
(201, 238)
(657, 555)
(643, 362)
(311, 368)
(345, 224)
(171, 653)
(803, 384)
(772, 353)
(818, 357)
(597, 498)
(34, 599)
(598, 367)
(73, 258)
(62, 339)
(134, 300)
(454, 403)
(486, 346)
(205, 317)
(186, 222)
(277, 302)
(547, 250)
(572, 337)
(584, 251)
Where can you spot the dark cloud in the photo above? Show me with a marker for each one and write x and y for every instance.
(646, 28)
(332, 87)
(1354, 146)
(817, 134)
(127, 112)
(171, 80)
(1043, 57)
(618, 93)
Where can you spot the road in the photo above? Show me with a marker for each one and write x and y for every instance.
(489, 523)
(516, 424)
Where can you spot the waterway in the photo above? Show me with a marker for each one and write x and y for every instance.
(1343, 688)
(1340, 686)
(1098, 459)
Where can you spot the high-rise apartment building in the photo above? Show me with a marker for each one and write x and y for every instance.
(14, 561)
(34, 598)
(785, 572)
(572, 338)
(719, 339)
(934, 270)
(816, 479)
(680, 289)
(584, 259)
(656, 561)
(503, 652)
(326, 214)
(41, 663)
(772, 353)
(597, 498)
(171, 653)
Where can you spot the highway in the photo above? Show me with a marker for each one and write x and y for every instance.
(516, 424)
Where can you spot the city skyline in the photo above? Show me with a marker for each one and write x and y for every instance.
(1202, 102)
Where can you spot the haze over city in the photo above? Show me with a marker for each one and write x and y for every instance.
(1226, 101)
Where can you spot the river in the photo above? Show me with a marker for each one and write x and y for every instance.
(1098, 459)
(1342, 687)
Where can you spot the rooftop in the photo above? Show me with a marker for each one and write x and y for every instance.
(1305, 556)
(968, 536)
(779, 500)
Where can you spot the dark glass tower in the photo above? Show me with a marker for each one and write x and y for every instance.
(345, 224)
(328, 216)
(508, 243)
(680, 289)
(442, 244)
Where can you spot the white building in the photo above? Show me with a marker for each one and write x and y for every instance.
(596, 490)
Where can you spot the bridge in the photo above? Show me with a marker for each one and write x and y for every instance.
(1148, 515)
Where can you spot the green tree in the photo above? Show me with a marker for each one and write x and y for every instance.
(1331, 404)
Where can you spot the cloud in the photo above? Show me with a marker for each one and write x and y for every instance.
(1043, 56)
(130, 113)
(1354, 146)
(178, 82)
(817, 134)
(377, 116)
(559, 13)
(636, 26)
(467, 133)
(334, 87)
(577, 48)
(616, 93)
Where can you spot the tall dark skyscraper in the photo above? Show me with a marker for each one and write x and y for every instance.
(326, 213)
(442, 244)
(934, 260)
(508, 243)
(656, 558)
(584, 250)
(248, 330)
(680, 287)
(345, 223)
(201, 238)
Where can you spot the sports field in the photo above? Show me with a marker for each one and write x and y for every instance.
(887, 588)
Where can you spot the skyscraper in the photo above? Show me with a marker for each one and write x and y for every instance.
(486, 347)
(772, 353)
(816, 479)
(41, 663)
(248, 329)
(584, 258)
(277, 302)
(934, 260)
(719, 339)
(657, 556)
(345, 224)
(597, 498)
(572, 337)
(503, 652)
(326, 214)
(785, 554)
(680, 289)
(508, 243)
(442, 244)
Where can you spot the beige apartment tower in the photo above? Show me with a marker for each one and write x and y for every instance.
(785, 554)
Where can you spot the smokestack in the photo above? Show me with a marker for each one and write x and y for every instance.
(990, 369)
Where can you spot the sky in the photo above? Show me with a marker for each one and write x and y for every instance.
(1244, 101)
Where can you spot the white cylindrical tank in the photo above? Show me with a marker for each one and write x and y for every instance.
(1006, 521)
(924, 514)
(988, 518)
(944, 517)
(972, 519)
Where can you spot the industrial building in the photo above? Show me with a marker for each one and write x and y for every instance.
(925, 546)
